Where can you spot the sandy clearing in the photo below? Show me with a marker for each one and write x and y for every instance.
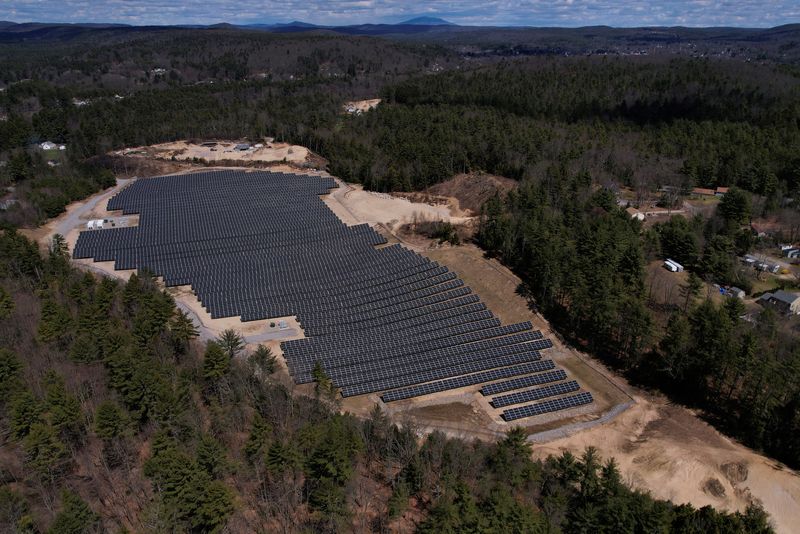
(671, 453)
(222, 150)
(361, 106)
(355, 205)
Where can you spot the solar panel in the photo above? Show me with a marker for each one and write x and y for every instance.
(534, 394)
(523, 382)
(547, 406)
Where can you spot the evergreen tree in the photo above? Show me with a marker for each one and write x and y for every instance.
(45, 454)
(263, 360)
(216, 363)
(231, 342)
(182, 329)
(110, 421)
(75, 517)
(10, 373)
(6, 304)
(25, 410)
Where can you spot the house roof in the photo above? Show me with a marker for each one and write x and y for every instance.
(702, 191)
(722, 190)
(785, 296)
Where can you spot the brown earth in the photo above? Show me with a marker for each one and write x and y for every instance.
(472, 190)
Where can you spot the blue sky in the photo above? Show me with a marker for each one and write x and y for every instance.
(750, 13)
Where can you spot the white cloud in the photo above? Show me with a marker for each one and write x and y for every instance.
(489, 12)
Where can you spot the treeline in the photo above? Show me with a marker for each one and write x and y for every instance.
(720, 119)
(114, 416)
(581, 259)
(634, 122)
(126, 59)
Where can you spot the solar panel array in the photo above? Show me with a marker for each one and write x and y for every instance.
(262, 245)
(468, 380)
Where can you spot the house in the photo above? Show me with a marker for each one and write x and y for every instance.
(702, 192)
(782, 301)
(720, 191)
(47, 145)
(635, 214)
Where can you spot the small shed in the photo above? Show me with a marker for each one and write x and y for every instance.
(241, 147)
(634, 213)
(736, 292)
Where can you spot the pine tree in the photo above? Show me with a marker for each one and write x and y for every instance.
(10, 372)
(216, 363)
(262, 360)
(55, 323)
(63, 409)
(322, 383)
(110, 421)
(231, 342)
(183, 330)
(26, 410)
(75, 516)
(6, 304)
(259, 434)
(45, 454)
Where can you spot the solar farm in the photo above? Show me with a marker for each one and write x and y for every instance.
(378, 318)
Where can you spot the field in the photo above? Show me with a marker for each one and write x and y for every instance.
(659, 447)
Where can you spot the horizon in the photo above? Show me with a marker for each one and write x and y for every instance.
(533, 14)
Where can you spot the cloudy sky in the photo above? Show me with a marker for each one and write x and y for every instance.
(750, 13)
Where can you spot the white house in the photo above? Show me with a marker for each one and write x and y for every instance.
(47, 145)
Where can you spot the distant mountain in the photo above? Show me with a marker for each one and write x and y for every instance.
(295, 24)
(426, 21)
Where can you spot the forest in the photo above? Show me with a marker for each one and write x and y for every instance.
(114, 416)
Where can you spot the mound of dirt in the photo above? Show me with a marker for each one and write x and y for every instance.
(472, 190)
(714, 487)
(735, 472)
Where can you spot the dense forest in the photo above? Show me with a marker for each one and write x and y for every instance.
(114, 416)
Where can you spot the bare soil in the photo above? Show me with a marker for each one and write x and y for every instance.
(361, 106)
(221, 151)
(472, 190)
